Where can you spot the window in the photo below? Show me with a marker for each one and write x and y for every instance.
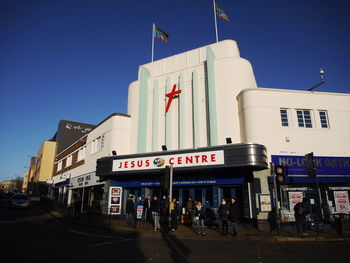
(59, 166)
(81, 154)
(69, 161)
(304, 118)
(97, 144)
(284, 117)
(324, 119)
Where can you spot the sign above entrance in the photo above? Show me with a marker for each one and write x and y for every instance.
(176, 160)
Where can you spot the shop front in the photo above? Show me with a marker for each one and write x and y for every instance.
(90, 190)
(205, 174)
(328, 193)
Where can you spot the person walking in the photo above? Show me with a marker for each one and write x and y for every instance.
(233, 216)
(174, 212)
(200, 216)
(146, 208)
(154, 208)
(130, 211)
(77, 206)
(300, 211)
(223, 214)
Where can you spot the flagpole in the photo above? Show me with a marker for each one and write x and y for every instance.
(152, 41)
(216, 25)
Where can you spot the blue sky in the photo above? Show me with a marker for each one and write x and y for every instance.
(74, 59)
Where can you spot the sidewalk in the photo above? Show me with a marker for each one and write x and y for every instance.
(245, 232)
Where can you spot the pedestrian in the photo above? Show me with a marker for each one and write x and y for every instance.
(233, 215)
(77, 206)
(130, 211)
(174, 212)
(164, 213)
(300, 211)
(199, 217)
(190, 205)
(154, 207)
(146, 208)
(223, 214)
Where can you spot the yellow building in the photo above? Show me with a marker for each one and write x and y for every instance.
(25, 181)
(43, 169)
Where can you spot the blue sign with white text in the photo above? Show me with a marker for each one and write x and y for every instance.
(296, 165)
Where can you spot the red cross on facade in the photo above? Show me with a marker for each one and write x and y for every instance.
(173, 94)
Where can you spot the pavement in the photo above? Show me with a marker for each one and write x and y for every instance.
(245, 232)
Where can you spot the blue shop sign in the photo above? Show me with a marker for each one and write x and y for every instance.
(181, 183)
(296, 165)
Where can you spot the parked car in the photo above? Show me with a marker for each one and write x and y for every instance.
(19, 200)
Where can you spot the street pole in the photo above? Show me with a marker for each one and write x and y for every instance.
(170, 193)
(276, 196)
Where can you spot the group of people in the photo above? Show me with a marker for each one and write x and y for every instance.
(158, 211)
(228, 212)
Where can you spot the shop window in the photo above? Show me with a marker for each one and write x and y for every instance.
(209, 197)
(324, 119)
(284, 117)
(304, 118)
(198, 195)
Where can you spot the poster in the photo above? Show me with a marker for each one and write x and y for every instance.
(341, 200)
(114, 200)
(294, 198)
(265, 203)
(139, 211)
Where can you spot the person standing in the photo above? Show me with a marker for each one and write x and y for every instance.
(154, 208)
(233, 215)
(300, 211)
(200, 216)
(190, 209)
(130, 211)
(224, 213)
(174, 212)
(146, 208)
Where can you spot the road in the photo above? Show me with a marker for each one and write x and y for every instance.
(31, 234)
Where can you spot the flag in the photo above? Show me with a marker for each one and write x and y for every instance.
(158, 33)
(220, 13)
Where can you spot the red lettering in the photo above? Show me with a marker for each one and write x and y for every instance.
(204, 159)
(126, 164)
(171, 161)
(132, 164)
(189, 159)
(147, 163)
(196, 157)
(139, 163)
(213, 157)
(179, 160)
(120, 165)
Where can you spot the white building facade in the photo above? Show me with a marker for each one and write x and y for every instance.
(205, 102)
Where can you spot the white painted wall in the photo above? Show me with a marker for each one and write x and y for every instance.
(260, 121)
(232, 74)
(116, 137)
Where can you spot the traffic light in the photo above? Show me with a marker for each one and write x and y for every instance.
(310, 164)
(280, 173)
(165, 178)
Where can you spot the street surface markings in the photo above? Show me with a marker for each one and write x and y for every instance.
(112, 242)
(90, 234)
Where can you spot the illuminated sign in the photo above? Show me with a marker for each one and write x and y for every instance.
(177, 160)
